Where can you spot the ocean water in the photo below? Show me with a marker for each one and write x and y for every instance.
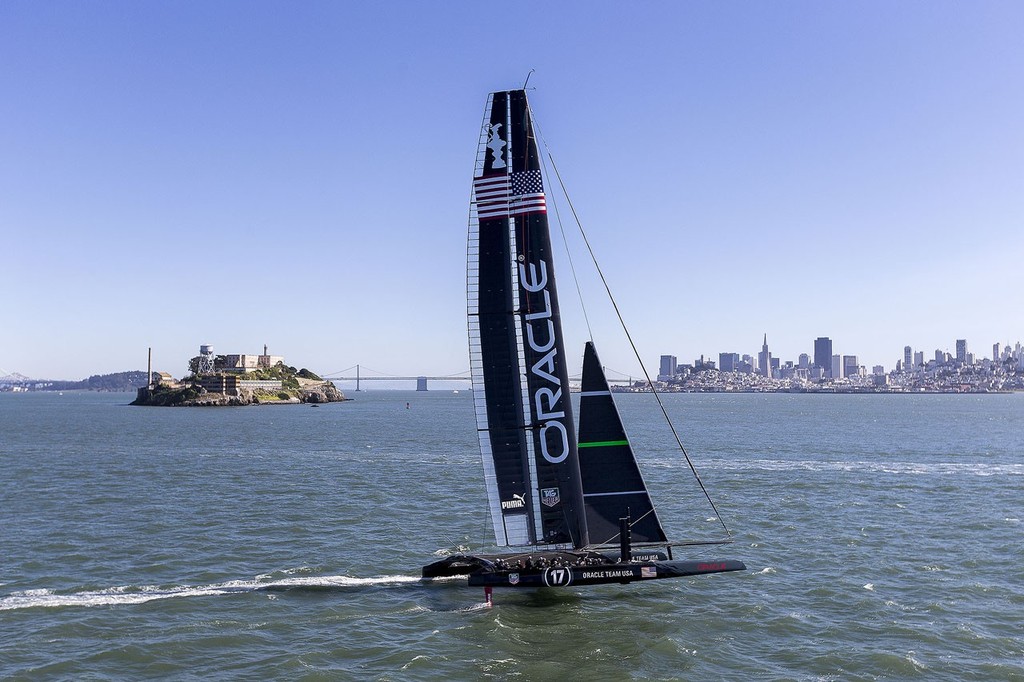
(882, 535)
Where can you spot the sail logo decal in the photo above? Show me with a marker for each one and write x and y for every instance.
(528, 193)
(554, 438)
(549, 497)
(517, 502)
(557, 577)
(496, 145)
(501, 195)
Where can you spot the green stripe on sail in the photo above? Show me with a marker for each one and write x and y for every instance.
(602, 443)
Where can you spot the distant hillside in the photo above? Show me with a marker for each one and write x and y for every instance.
(120, 381)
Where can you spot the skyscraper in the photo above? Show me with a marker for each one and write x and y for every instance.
(764, 359)
(907, 358)
(668, 367)
(728, 362)
(961, 351)
(851, 367)
(823, 354)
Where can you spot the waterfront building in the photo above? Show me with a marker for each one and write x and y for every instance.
(836, 367)
(878, 370)
(850, 366)
(823, 354)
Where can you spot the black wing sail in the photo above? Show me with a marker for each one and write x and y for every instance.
(612, 484)
(517, 357)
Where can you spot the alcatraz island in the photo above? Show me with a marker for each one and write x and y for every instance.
(219, 380)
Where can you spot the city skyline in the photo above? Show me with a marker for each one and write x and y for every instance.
(169, 181)
(918, 357)
(909, 357)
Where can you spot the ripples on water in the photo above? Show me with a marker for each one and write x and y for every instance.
(882, 536)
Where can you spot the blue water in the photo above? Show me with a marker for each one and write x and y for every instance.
(882, 535)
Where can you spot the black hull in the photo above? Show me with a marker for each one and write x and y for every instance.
(565, 569)
(601, 575)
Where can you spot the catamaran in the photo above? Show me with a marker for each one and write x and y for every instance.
(568, 499)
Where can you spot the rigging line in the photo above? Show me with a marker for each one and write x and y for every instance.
(561, 230)
(629, 337)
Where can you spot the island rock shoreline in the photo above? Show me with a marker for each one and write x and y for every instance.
(195, 396)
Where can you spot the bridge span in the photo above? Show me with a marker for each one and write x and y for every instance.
(421, 380)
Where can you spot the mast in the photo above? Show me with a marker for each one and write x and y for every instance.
(517, 356)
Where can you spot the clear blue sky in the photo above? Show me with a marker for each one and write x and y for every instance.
(298, 174)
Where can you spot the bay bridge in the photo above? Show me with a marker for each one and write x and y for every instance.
(421, 380)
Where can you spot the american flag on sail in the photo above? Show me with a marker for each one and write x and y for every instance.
(516, 194)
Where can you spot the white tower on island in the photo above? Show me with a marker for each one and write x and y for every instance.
(205, 359)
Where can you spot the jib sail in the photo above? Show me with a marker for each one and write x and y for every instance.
(612, 485)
